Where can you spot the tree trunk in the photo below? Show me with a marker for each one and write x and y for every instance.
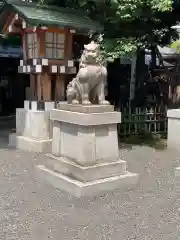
(141, 72)
(133, 78)
(153, 57)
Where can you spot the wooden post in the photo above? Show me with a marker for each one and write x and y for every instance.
(61, 80)
(46, 87)
(68, 45)
(24, 44)
(33, 86)
(60, 88)
(133, 78)
(41, 36)
(39, 87)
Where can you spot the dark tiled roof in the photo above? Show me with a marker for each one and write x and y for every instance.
(47, 15)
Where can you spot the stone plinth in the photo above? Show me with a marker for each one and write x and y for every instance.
(85, 154)
(173, 139)
(33, 128)
(85, 109)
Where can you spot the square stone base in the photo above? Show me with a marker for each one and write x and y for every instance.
(28, 144)
(85, 138)
(78, 188)
(85, 155)
(85, 173)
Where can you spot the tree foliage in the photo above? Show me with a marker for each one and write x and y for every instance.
(176, 45)
(128, 24)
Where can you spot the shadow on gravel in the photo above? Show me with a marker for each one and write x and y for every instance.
(6, 126)
(151, 140)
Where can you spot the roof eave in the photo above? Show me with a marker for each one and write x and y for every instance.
(37, 22)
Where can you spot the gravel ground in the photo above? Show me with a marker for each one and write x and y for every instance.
(32, 209)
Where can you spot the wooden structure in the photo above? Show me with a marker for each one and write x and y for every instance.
(136, 121)
(47, 40)
(174, 81)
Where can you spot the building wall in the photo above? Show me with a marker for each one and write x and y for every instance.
(12, 86)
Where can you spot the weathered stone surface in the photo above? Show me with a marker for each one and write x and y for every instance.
(80, 189)
(173, 140)
(86, 119)
(85, 145)
(86, 173)
(37, 124)
(173, 113)
(85, 108)
(33, 130)
(20, 120)
(29, 144)
(85, 155)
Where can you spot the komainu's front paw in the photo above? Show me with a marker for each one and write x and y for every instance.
(75, 101)
(86, 102)
(104, 102)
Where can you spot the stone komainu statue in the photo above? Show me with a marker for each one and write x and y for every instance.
(89, 84)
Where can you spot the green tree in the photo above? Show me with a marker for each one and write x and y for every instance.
(128, 25)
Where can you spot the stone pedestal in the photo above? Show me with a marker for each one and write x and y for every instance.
(173, 139)
(85, 154)
(33, 127)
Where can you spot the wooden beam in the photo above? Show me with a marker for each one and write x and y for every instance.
(56, 30)
(31, 29)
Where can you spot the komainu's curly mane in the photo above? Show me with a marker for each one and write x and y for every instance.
(91, 55)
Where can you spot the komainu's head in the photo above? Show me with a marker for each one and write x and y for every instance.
(91, 52)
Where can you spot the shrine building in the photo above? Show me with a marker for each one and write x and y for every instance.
(48, 34)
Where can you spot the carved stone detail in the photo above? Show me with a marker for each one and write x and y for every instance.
(89, 84)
